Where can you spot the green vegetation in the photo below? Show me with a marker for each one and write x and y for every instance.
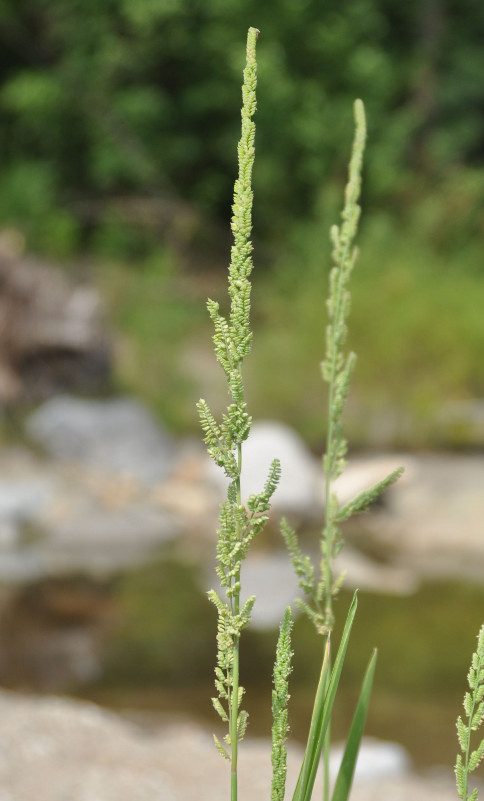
(240, 523)
(149, 306)
(337, 370)
(415, 362)
(468, 761)
(126, 100)
(116, 126)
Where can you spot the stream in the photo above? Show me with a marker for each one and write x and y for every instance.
(159, 660)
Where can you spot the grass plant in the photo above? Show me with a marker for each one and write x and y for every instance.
(239, 523)
(319, 583)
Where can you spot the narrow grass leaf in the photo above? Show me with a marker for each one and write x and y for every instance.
(323, 706)
(315, 723)
(347, 768)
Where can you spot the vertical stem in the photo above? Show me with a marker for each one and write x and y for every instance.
(328, 572)
(327, 739)
(337, 324)
(232, 340)
(328, 540)
(235, 656)
(233, 723)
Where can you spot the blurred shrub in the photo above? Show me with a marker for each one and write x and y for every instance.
(155, 316)
(416, 314)
(120, 97)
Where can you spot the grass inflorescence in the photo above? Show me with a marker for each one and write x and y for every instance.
(240, 522)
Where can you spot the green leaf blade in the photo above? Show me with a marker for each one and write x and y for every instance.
(323, 706)
(347, 768)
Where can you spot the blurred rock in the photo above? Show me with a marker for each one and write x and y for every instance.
(53, 749)
(426, 787)
(376, 760)
(58, 749)
(52, 334)
(364, 573)
(59, 518)
(118, 435)
(270, 577)
(300, 489)
(104, 542)
(24, 501)
(187, 493)
(432, 520)
(361, 473)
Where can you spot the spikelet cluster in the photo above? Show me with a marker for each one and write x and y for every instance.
(280, 699)
(468, 760)
(238, 523)
(337, 370)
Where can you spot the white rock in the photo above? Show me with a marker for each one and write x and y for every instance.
(377, 759)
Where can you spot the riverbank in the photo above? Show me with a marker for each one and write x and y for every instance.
(52, 748)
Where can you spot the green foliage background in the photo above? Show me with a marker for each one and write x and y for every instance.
(118, 128)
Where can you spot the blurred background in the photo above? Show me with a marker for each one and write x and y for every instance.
(118, 129)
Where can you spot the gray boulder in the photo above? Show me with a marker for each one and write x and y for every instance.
(118, 435)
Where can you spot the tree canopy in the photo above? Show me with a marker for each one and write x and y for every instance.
(121, 98)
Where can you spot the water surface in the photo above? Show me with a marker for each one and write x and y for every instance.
(160, 657)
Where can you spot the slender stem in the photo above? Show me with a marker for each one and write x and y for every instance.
(328, 544)
(327, 738)
(328, 539)
(328, 600)
(234, 712)
(331, 446)
(233, 723)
